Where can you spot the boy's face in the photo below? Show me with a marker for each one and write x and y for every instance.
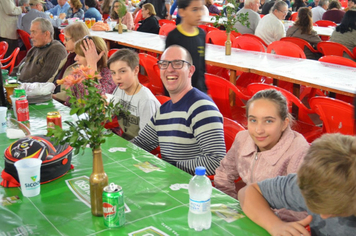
(123, 76)
(193, 13)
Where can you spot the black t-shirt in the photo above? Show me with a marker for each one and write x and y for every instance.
(195, 44)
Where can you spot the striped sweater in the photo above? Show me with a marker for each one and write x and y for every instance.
(189, 133)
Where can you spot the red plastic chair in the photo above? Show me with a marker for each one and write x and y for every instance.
(336, 49)
(166, 28)
(105, 16)
(344, 62)
(325, 23)
(231, 128)
(217, 37)
(207, 28)
(337, 116)
(25, 37)
(261, 15)
(256, 37)
(354, 51)
(3, 48)
(304, 124)
(294, 16)
(61, 37)
(219, 90)
(112, 51)
(163, 99)
(153, 73)
(165, 21)
(303, 44)
(138, 17)
(338, 60)
(235, 34)
(248, 43)
(285, 48)
(9, 63)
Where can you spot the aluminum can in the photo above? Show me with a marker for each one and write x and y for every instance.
(113, 206)
(53, 119)
(19, 92)
(22, 110)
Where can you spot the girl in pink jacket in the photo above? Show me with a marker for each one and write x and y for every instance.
(268, 148)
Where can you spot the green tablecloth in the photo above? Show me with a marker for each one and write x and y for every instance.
(152, 204)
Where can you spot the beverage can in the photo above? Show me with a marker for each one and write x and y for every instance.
(22, 110)
(18, 92)
(53, 119)
(113, 206)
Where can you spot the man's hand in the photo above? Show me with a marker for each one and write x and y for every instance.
(292, 228)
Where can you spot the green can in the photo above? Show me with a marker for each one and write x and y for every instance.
(19, 92)
(113, 206)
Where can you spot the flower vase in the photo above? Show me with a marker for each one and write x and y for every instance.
(119, 28)
(228, 44)
(98, 180)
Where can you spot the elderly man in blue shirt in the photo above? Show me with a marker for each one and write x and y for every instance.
(62, 7)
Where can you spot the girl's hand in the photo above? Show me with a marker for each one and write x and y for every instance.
(91, 55)
(292, 228)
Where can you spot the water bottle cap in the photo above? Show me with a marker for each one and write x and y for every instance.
(200, 170)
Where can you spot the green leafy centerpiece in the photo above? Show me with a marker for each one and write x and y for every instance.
(121, 12)
(93, 112)
(228, 19)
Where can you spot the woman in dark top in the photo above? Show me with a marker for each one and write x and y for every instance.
(334, 13)
(211, 7)
(150, 23)
(298, 4)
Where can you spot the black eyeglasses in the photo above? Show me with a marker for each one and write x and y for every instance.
(176, 64)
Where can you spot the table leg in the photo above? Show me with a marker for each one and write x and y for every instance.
(296, 92)
(232, 80)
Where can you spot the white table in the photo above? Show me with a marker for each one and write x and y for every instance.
(333, 78)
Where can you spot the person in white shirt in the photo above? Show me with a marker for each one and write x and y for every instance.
(251, 6)
(270, 27)
(317, 12)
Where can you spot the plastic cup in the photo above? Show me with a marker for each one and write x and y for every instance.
(88, 22)
(29, 171)
(3, 111)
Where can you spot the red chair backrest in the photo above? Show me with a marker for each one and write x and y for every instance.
(256, 37)
(9, 62)
(3, 48)
(337, 116)
(286, 49)
(162, 99)
(300, 42)
(219, 90)
(235, 34)
(166, 28)
(248, 43)
(105, 16)
(291, 98)
(138, 16)
(25, 37)
(112, 51)
(325, 23)
(153, 73)
(338, 60)
(165, 21)
(332, 48)
(218, 37)
(61, 37)
(231, 128)
(294, 16)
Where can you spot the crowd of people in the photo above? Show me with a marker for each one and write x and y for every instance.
(287, 179)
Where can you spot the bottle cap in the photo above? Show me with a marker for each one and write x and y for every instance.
(200, 170)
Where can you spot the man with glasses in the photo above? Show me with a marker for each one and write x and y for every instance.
(270, 27)
(42, 60)
(188, 128)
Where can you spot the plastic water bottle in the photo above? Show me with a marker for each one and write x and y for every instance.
(199, 216)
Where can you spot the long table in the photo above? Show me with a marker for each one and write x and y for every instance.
(154, 204)
(325, 76)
